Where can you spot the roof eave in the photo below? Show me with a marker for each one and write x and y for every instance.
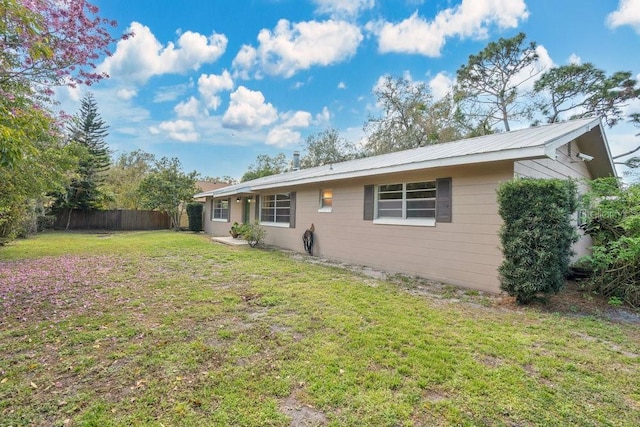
(515, 154)
(227, 191)
(610, 164)
(552, 145)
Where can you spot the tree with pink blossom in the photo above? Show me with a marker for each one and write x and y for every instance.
(43, 44)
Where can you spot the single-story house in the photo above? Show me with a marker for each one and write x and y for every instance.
(429, 211)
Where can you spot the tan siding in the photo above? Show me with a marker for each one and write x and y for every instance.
(218, 228)
(465, 252)
(562, 167)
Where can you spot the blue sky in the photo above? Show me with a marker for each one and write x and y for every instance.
(217, 82)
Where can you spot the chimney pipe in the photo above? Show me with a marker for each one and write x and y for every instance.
(296, 160)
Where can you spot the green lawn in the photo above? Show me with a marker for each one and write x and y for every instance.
(164, 328)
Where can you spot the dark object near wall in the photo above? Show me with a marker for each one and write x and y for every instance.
(307, 239)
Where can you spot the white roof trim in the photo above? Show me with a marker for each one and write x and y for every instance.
(527, 153)
(608, 149)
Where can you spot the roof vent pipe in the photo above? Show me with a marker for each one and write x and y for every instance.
(296, 160)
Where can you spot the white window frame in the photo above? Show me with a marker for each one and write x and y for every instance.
(403, 220)
(215, 209)
(323, 206)
(276, 209)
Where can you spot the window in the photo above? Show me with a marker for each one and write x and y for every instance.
(413, 201)
(220, 211)
(275, 208)
(326, 200)
(416, 203)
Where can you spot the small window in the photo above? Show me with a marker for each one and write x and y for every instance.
(220, 211)
(326, 200)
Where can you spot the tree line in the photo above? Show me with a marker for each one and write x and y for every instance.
(49, 160)
(39, 51)
(498, 86)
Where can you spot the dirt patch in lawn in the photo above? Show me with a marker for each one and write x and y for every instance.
(573, 300)
(302, 415)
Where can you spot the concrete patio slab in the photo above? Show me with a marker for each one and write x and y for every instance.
(228, 240)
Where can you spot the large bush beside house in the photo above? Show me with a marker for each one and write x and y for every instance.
(536, 236)
(194, 212)
(612, 219)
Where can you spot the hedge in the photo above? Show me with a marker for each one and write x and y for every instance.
(536, 235)
(194, 212)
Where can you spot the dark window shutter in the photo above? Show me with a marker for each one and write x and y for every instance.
(443, 200)
(368, 202)
(257, 199)
(292, 210)
(229, 211)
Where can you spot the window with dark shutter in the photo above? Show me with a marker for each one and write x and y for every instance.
(443, 200)
(368, 202)
(292, 210)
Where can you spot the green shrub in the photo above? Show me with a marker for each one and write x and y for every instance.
(254, 234)
(612, 219)
(238, 230)
(194, 212)
(45, 222)
(536, 236)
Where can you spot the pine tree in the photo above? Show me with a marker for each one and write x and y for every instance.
(88, 130)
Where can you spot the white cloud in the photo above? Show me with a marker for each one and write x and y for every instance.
(355, 135)
(413, 35)
(343, 8)
(628, 13)
(283, 137)
(190, 108)
(323, 118)
(441, 85)
(178, 130)
(574, 59)
(211, 85)
(74, 93)
(247, 109)
(526, 78)
(299, 119)
(342, 85)
(472, 18)
(171, 93)
(294, 47)
(246, 59)
(140, 57)
(126, 94)
(284, 134)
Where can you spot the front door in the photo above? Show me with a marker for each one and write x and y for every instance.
(246, 210)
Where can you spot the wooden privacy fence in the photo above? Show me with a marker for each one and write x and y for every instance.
(112, 220)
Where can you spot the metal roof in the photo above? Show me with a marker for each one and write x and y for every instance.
(534, 142)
